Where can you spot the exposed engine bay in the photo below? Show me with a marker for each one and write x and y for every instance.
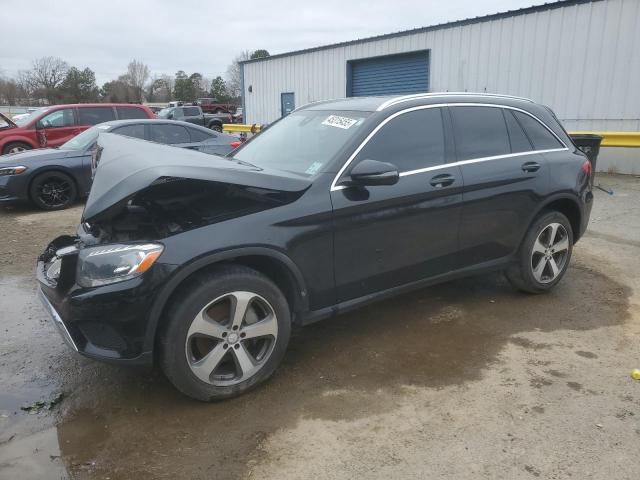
(175, 205)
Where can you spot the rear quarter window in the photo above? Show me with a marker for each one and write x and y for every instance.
(540, 136)
(95, 115)
(199, 135)
(127, 113)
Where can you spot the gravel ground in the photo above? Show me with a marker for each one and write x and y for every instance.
(464, 380)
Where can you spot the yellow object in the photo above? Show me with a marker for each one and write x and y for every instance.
(615, 139)
(237, 127)
(635, 374)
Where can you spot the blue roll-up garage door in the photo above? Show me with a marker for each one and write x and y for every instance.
(393, 74)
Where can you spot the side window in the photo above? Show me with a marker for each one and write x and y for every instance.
(519, 141)
(480, 132)
(541, 138)
(191, 112)
(135, 131)
(410, 141)
(200, 136)
(95, 115)
(169, 134)
(127, 113)
(59, 118)
(178, 113)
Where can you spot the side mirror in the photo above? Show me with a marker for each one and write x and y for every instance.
(170, 116)
(373, 172)
(39, 125)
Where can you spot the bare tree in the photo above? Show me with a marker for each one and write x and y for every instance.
(46, 75)
(137, 76)
(233, 77)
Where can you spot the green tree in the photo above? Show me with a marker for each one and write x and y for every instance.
(79, 86)
(219, 89)
(261, 53)
(182, 86)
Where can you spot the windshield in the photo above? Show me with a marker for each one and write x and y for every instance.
(28, 118)
(303, 142)
(85, 139)
(164, 112)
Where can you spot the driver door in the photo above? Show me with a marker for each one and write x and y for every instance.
(390, 235)
(56, 127)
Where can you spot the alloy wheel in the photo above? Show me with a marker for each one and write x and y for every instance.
(54, 192)
(231, 338)
(550, 253)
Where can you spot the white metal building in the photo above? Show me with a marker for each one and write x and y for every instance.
(580, 57)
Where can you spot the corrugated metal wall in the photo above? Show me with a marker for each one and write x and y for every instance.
(582, 60)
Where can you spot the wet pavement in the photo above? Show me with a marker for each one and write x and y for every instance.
(467, 379)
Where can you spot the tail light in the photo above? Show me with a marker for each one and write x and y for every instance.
(586, 168)
(236, 144)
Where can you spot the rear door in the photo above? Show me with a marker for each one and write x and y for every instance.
(387, 236)
(504, 180)
(56, 127)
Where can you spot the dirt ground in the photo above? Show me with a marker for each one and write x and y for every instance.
(464, 380)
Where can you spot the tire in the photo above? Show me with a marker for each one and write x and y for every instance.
(202, 352)
(15, 147)
(216, 127)
(543, 257)
(53, 191)
(218, 110)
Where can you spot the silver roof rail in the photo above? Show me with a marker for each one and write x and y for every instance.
(417, 96)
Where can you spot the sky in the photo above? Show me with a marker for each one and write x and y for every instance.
(204, 36)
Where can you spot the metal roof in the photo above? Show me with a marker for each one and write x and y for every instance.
(457, 23)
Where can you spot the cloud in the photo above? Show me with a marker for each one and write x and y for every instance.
(204, 36)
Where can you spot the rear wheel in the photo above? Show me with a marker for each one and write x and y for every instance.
(544, 255)
(53, 191)
(225, 334)
(216, 127)
(16, 147)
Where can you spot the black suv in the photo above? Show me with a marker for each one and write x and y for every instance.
(204, 263)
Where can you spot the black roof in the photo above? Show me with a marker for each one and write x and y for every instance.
(456, 23)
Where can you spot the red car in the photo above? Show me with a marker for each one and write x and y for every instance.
(53, 126)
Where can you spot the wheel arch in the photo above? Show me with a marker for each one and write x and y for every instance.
(14, 139)
(272, 263)
(53, 168)
(569, 207)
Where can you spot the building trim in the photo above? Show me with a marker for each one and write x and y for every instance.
(456, 23)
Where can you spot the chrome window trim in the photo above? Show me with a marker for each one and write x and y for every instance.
(418, 96)
(334, 184)
(481, 159)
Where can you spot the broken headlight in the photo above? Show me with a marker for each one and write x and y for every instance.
(113, 263)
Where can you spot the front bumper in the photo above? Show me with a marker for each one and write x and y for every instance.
(14, 188)
(108, 323)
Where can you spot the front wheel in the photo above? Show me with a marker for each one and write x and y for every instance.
(53, 191)
(226, 333)
(544, 255)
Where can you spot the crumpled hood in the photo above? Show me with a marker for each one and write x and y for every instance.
(129, 165)
(36, 157)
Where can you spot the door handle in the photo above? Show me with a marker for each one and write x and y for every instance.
(443, 180)
(530, 167)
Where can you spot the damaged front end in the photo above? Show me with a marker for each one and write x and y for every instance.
(100, 285)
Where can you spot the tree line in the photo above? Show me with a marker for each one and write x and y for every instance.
(51, 80)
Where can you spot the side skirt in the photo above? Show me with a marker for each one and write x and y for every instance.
(308, 318)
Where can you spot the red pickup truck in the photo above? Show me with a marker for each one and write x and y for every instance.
(211, 105)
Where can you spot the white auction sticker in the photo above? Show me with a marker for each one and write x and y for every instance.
(340, 122)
